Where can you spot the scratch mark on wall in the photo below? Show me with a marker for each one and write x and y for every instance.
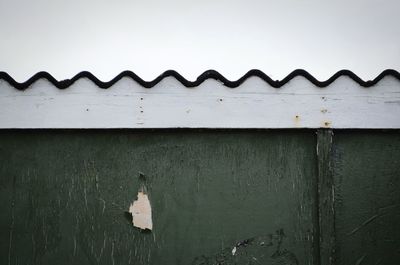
(104, 205)
(112, 253)
(360, 260)
(363, 224)
(12, 222)
(74, 253)
(98, 258)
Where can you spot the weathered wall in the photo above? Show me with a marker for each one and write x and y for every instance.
(263, 196)
(366, 173)
(65, 195)
(170, 104)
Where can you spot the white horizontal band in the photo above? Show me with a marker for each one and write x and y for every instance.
(254, 104)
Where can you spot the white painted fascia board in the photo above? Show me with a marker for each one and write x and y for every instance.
(169, 104)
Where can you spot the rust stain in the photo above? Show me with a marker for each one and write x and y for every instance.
(297, 120)
(326, 124)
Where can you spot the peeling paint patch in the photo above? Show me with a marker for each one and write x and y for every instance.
(262, 249)
(141, 212)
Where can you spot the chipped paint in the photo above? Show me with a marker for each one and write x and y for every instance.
(141, 212)
(262, 249)
(211, 105)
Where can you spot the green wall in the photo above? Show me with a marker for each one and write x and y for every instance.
(366, 172)
(66, 194)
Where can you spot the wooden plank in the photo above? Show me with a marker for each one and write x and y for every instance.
(326, 198)
(366, 170)
(169, 104)
(238, 197)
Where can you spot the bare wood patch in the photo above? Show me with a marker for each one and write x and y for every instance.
(140, 210)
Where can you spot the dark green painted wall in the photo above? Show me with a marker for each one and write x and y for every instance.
(65, 195)
(366, 172)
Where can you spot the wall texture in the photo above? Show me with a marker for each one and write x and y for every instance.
(218, 197)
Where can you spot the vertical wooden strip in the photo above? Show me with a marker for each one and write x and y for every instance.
(326, 211)
(315, 212)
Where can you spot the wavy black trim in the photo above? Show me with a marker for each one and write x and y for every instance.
(210, 74)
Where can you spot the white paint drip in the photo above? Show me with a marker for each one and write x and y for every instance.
(141, 212)
(234, 251)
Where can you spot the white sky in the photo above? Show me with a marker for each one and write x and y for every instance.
(232, 36)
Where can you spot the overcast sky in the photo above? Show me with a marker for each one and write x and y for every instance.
(149, 37)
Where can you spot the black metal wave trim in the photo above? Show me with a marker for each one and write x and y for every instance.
(210, 74)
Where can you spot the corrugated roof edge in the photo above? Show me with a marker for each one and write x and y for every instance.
(210, 74)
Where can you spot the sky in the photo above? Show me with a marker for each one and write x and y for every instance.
(230, 36)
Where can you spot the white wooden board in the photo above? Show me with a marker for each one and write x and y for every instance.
(254, 104)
